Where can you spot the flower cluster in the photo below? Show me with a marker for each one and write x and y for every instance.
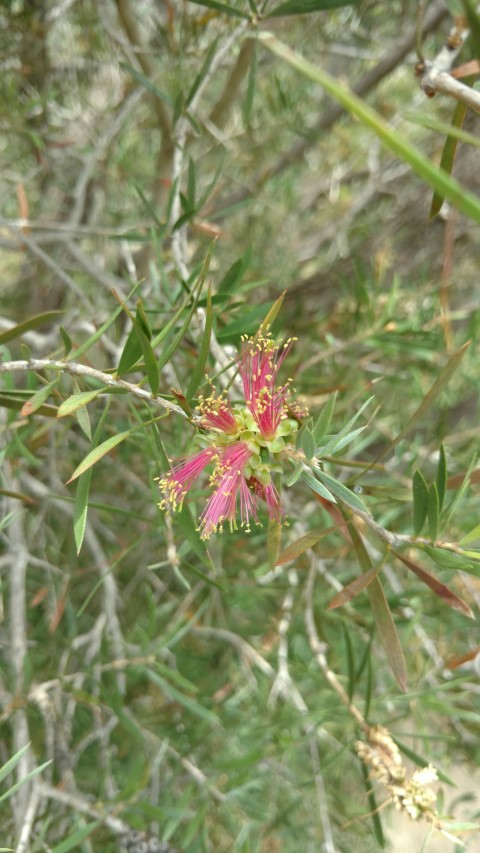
(383, 758)
(244, 443)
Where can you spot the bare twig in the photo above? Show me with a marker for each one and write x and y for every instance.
(18, 648)
(75, 369)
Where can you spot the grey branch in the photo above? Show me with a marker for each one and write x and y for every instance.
(75, 369)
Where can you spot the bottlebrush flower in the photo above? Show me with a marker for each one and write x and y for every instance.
(245, 443)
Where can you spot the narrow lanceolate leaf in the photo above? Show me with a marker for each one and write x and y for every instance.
(448, 155)
(441, 476)
(306, 7)
(307, 442)
(420, 501)
(37, 400)
(432, 512)
(272, 314)
(28, 325)
(341, 491)
(295, 549)
(144, 81)
(381, 611)
(198, 373)
(74, 840)
(77, 401)
(335, 443)
(465, 201)
(98, 452)
(435, 585)
(80, 508)
(471, 536)
(324, 418)
(67, 341)
(387, 632)
(149, 357)
(354, 587)
(317, 487)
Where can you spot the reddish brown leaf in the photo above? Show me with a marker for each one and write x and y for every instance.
(436, 586)
(354, 587)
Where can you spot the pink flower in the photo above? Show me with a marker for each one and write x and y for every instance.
(259, 364)
(181, 477)
(246, 444)
(222, 506)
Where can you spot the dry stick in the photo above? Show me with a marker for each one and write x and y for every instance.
(318, 648)
(392, 57)
(75, 369)
(447, 268)
(18, 646)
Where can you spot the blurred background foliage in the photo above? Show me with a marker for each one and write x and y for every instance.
(137, 137)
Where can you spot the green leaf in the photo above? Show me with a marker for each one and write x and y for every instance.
(147, 84)
(341, 491)
(28, 325)
(444, 128)
(80, 508)
(16, 399)
(466, 202)
(441, 476)
(251, 83)
(24, 779)
(37, 400)
(317, 487)
(73, 840)
(202, 74)
(324, 419)
(98, 452)
(387, 632)
(470, 537)
(435, 585)
(198, 373)
(295, 475)
(307, 442)
(461, 490)
(234, 274)
(78, 401)
(448, 155)
(380, 610)
(433, 512)
(170, 348)
(131, 353)
(306, 7)
(221, 7)
(335, 443)
(474, 24)
(192, 183)
(151, 366)
(12, 762)
(83, 420)
(373, 808)
(67, 341)
(295, 549)
(420, 501)
(187, 702)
